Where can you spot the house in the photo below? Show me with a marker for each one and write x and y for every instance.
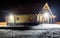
(46, 15)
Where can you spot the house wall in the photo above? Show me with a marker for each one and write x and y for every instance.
(42, 19)
(25, 18)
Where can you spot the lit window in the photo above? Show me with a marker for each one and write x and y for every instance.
(30, 18)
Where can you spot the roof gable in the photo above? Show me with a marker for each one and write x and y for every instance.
(47, 8)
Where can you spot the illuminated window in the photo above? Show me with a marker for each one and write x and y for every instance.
(30, 18)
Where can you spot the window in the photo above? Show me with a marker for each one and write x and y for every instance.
(17, 18)
(30, 18)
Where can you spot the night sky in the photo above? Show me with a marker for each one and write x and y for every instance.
(28, 6)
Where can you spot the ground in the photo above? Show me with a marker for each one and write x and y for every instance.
(40, 31)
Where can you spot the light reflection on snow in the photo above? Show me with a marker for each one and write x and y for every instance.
(46, 26)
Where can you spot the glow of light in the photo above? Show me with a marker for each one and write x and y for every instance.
(11, 16)
(54, 16)
(46, 14)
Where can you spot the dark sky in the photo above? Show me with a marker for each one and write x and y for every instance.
(25, 6)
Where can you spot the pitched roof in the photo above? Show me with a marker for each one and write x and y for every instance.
(46, 7)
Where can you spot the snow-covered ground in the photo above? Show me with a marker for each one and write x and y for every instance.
(4, 33)
(46, 26)
(40, 31)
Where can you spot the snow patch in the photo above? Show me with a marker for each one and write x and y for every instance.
(46, 26)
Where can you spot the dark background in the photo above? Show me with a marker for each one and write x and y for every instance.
(28, 6)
